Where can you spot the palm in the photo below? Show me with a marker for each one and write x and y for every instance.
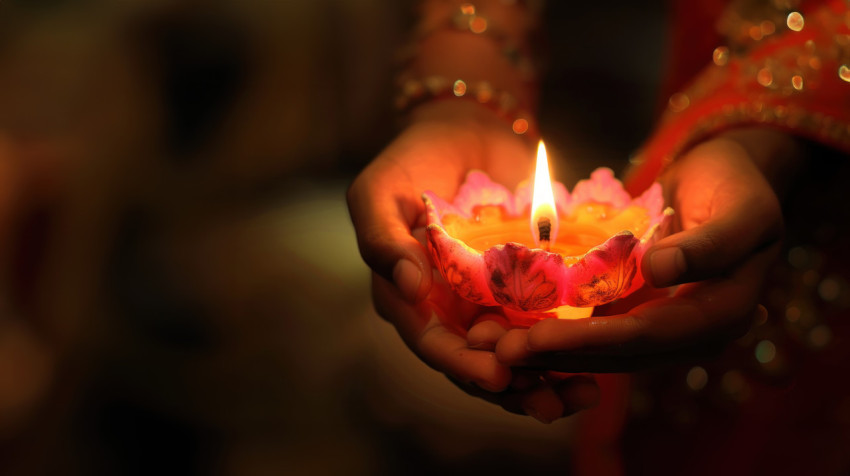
(728, 228)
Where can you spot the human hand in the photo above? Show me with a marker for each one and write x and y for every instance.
(444, 142)
(435, 329)
(728, 229)
(544, 395)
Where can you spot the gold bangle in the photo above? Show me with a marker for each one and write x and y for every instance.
(414, 92)
(468, 19)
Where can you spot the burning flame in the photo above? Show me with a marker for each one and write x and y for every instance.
(544, 215)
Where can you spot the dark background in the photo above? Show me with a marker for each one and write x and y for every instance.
(187, 295)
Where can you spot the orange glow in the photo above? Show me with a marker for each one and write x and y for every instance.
(844, 72)
(721, 55)
(459, 88)
(477, 24)
(520, 126)
(764, 77)
(586, 227)
(795, 21)
(543, 207)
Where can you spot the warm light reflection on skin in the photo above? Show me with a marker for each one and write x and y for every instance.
(544, 214)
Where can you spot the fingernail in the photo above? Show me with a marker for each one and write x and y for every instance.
(533, 412)
(407, 277)
(490, 387)
(667, 265)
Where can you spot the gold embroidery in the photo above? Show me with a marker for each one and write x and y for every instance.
(759, 82)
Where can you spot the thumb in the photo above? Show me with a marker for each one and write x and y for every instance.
(383, 219)
(718, 245)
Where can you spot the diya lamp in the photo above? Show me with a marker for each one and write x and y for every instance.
(543, 252)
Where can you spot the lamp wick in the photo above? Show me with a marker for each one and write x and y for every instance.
(544, 230)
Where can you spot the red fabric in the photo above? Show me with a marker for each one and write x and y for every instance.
(820, 112)
(796, 421)
(693, 38)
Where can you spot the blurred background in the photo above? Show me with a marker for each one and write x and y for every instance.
(181, 288)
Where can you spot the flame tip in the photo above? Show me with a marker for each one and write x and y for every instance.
(543, 206)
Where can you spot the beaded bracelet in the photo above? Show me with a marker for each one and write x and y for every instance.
(418, 91)
(468, 19)
(415, 89)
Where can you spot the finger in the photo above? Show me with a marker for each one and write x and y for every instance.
(508, 400)
(448, 352)
(486, 331)
(544, 400)
(441, 347)
(744, 216)
(697, 312)
(543, 404)
(384, 207)
(512, 349)
(560, 396)
(696, 354)
(525, 380)
(579, 392)
(638, 297)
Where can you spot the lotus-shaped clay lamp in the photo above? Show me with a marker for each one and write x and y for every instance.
(487, 251)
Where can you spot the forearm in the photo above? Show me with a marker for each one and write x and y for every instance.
(479, 53)
(491, 44)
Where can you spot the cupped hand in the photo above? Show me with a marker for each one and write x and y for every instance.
(444, 141)
(727, 232)
(435, 329)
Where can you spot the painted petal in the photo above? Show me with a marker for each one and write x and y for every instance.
(602, 187)
(523, 279)
(659, 227)
(639, 252)
(436, 208)
(653, 201)
(637, 282)
(461, 266)
(656, 231)
(478, 189)
(604, 274)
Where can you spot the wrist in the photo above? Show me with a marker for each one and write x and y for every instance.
(469, 114)
(778, 155)
(479, 138)
(471, 52)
